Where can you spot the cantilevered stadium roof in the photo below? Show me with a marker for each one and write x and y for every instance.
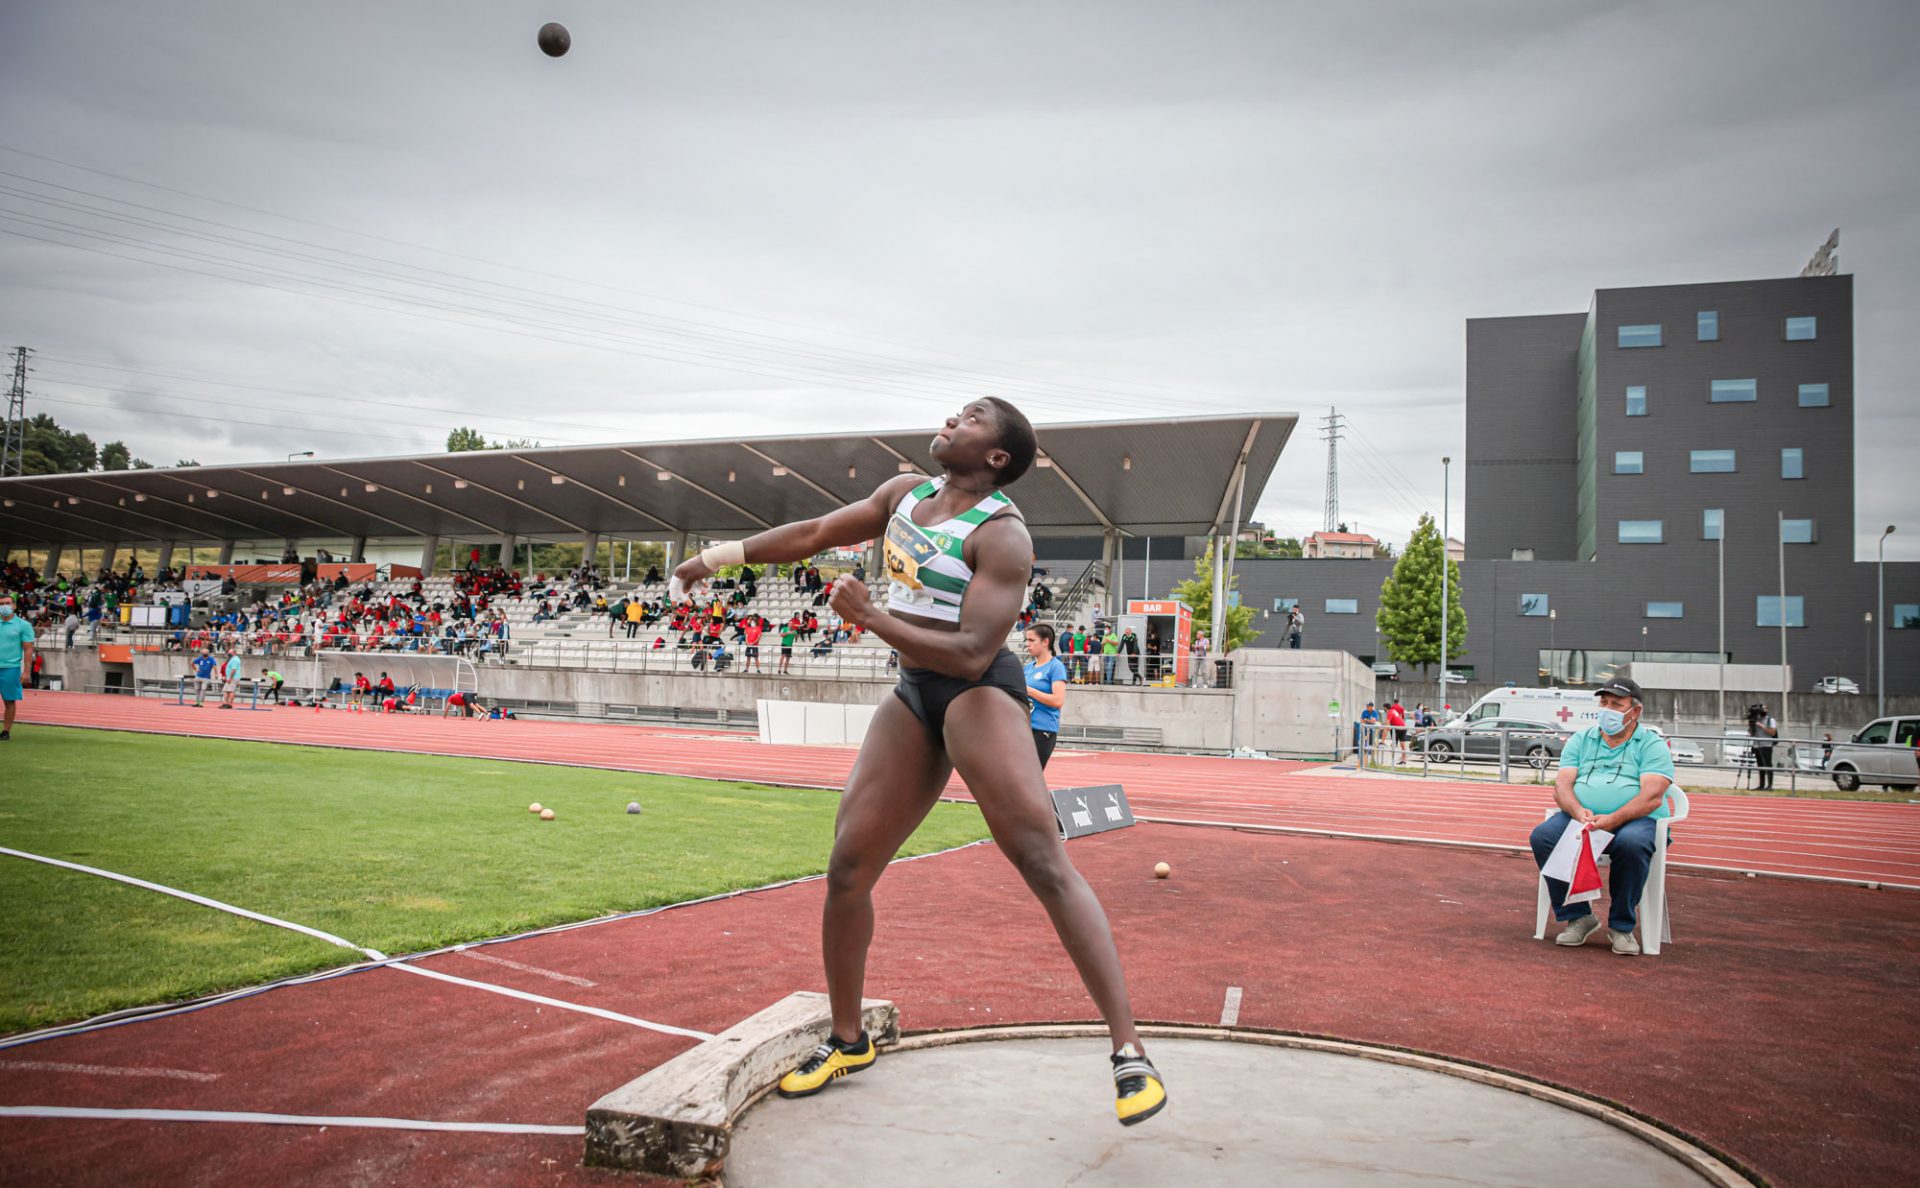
(1167, 477)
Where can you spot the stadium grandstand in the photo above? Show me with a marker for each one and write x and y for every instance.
(410, 567)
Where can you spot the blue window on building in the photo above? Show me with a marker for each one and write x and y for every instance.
(1640, 336)
(1792, 463)
(1796, 532)
(1642, 531)
(1637, 401)
(1906, 616)
(1666, 610)
(1709, 327)
(1629, 462)
(1713, 521)
(1814, 396)
(1735, 391)
(1802, 329)
(1283, 605)
(1534, 606)
(1343, 606)
(1711, 462)
(1768, 611)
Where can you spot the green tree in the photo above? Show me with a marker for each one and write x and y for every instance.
(463, 439)
(1197, 593)
(49, 449)
(115, 456)
(1409, 615)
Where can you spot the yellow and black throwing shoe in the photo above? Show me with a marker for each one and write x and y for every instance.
(828, 1062)
(1137, 1091)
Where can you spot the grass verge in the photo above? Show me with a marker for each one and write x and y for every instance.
(392, 851)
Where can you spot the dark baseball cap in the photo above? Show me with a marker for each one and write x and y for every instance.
(1624, 686)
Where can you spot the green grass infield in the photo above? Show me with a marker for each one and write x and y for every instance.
(392, 851)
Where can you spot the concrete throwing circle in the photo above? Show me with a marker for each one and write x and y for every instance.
(1039, 1112)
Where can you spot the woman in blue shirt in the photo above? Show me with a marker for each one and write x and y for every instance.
(1046, 689)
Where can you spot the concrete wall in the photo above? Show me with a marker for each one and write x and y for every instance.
(1282, 697)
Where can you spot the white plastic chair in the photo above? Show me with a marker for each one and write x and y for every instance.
(1656, 922)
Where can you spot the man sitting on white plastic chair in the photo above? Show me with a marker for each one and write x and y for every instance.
(1613, 776)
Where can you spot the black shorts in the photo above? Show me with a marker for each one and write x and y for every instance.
(753, 649)
(928, 693)
(1043, 741)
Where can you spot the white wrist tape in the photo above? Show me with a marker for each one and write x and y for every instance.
(727, 552)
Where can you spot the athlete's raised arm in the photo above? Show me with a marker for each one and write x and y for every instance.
(848, 525)
(1002, 561)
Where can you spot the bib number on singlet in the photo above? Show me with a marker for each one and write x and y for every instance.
(907, 549)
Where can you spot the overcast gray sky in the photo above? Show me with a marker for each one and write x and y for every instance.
(766, 217)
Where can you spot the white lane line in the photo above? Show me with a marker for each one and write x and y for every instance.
(523, 967)
(281, 1120)
(1230, 1013)
(202, 900)
(542, 999)
(102, 1070)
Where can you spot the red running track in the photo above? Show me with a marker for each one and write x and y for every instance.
(1851, 841)
(1779, 1026)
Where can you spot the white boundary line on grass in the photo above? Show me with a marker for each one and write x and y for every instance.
(202, 900)
(282, 1120)
(597, 1012)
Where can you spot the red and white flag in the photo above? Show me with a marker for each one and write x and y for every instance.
(1575, 861)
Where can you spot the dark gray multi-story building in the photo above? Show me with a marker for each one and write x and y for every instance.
(1611, 457)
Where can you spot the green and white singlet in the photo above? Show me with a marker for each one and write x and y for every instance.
(926, 575)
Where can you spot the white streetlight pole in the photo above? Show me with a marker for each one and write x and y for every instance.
(1881, 609)
(1446, 470)
(1553, 617)
(1780, 543)
(1721, 539)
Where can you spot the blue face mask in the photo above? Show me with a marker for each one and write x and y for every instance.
(6, 612)
(1612, 721)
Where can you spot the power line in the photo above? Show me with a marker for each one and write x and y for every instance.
(1106, 383)
(415, 441)
(702, 332)
(616, 343)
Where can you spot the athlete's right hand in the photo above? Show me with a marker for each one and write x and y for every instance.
(688, 581)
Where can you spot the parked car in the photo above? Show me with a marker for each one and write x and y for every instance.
(1451, 677)
(1683, 750)
(1386, 670)
(1835, 685)
(1874, 762)
(1528, 742)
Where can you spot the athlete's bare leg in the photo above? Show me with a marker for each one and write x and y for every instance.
(991, 744)
(896, 780)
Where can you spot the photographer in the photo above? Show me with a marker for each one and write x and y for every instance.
(1763, 728)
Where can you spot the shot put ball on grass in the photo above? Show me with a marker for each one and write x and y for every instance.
(534, 807)
(633, 806)
(554, 39)
(546, 814)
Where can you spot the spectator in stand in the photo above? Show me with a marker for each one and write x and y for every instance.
(1200, 676)
(276, 680)
(753, 629)
(1130, 644)
(787, 633)
(1109, 660)
(634, 611)
(72, 627)
(17, 655)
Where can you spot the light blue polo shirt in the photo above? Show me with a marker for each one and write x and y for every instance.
(15, 633)
(1610, 776)
(1047, 678)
